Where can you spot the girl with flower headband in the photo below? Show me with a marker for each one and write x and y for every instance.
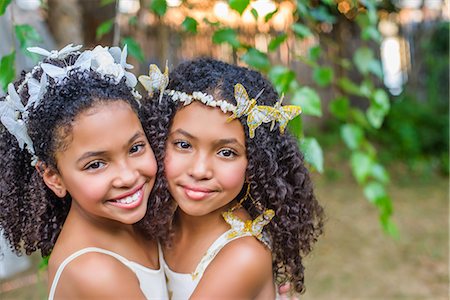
(246, 212)
(77, 172)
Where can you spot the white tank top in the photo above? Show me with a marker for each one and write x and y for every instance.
(152, 282)
(182, 285)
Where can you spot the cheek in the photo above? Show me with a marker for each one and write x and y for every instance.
(149, 163)
(233, 177)
(172, 165)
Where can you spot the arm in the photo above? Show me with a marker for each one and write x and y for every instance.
(98, 276)
(241, 270)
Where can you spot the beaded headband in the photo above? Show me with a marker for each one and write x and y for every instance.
(256, 114)
(106, 61)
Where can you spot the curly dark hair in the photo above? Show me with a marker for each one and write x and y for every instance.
(31, 215)
(276, 170)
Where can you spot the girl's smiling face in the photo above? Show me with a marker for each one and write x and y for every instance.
(206, 160)
(108, 167)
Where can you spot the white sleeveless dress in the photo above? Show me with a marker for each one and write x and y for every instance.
(181, 285)
(152, 282)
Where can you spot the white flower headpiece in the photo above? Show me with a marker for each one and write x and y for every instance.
(106, 61)
(256, 114)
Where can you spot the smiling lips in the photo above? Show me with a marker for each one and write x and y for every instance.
(130, 200)
(197, 193)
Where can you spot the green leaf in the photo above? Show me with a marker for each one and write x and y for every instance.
(134, 49)
(3, 5)
(372, 33)
(282, 78)
(190, 25)
(362, 59)
(349, 86)
(340, 108)
(381, 99)
(277, 41)
(159, 7)
(359, 117)
(375, 116)
(309, 101)
(256, 59)
(379, 173)
(314, 52)
(361, 164)
(107, 2)
(270, 15)
(226, 35)
(7, 70)
(323, 76)
(239, 5)
(313, 153)
(352, 135)
(376, 68)
(255, 14)
(104, 28)
(389, 226)
(43, 264)
(301, 30)
(374, 192)
(27, 36)
(295, 127)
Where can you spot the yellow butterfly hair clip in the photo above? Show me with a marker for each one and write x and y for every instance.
(255, 227)
(256, 115)
(283, 114)
(156, 80)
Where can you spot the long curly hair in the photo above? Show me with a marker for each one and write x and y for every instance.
(31, 215)
(276, 170)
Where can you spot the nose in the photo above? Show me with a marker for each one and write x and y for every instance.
(127, 175)
(201, 167)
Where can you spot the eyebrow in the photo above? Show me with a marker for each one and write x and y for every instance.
(100, 153)
(219, 142)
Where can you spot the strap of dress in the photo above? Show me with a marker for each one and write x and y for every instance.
(77, 254)
(214, 249)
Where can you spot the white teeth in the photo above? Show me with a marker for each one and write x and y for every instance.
(130, 199)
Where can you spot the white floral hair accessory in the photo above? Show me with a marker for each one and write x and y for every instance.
(256, 114)
(106, 61)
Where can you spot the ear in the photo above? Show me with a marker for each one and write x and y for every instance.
(54, 181)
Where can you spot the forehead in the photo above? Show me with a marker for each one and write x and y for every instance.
(98, 122)
(201, 120)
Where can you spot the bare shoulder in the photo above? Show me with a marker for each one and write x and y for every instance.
(96, 275)
(246, 252)
(239, 271)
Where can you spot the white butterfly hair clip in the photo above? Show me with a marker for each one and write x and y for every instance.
(55, 54)
(12, 112)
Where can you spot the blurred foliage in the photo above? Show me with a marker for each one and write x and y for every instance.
(417, 129)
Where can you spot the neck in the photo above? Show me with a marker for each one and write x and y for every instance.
(200, 225)
(98, 230)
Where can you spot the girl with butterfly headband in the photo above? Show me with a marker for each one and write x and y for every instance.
(246, 214)
(77, 172)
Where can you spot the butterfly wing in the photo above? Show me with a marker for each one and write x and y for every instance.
(244, 104)
(287, 113)
(258, 115)
(146, 82)
(53, 71)
(18, 129)
(261, 221)
(237, 225)
(14, 98)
